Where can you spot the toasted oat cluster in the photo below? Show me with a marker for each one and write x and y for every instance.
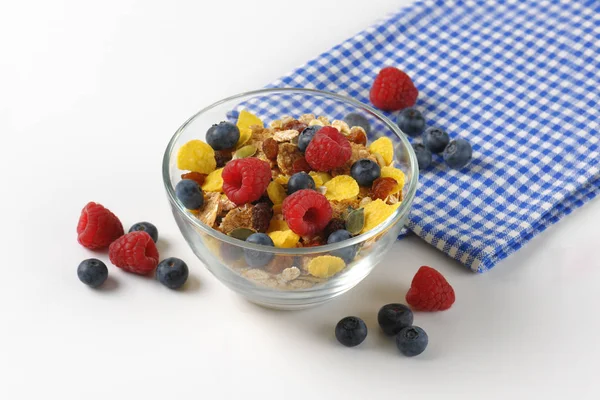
(298, 182)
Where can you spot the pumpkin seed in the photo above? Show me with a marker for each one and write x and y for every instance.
(355, 221)
(246, 151)
(242, 233)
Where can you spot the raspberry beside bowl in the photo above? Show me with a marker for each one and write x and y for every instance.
(223, 255)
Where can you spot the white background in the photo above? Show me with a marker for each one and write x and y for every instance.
(90, 94)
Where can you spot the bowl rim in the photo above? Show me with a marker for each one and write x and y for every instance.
(391, 220)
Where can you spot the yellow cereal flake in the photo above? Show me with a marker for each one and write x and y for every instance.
(325, 266)
(278, 225)
(341, 187)
(395, 173)
(285, 239)
(282, 179)
(244, 122)
(276, 192)
(320, 178)
(196, 156)
(384, 147)
(376, 212)
(277, 209)
(214, 181)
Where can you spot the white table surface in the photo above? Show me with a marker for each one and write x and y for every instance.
(89, 96)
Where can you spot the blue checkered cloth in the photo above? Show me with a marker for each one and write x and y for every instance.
(520, 80)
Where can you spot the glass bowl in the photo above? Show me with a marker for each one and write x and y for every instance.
(277, 285)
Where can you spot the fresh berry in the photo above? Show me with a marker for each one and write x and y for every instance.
(271, 148)
(299, 181)
(356, 119)
(295, 125)
(258, 258)
(172, 272)
(134, 252)
(300, 165)
(458, 153)
(246, 179)
(195, 176)
(222, 157)
(351, 331)
(411, 122)
(306, 136)
(98, 227)
(223, 136)
(190, 194)
(424, 156)
(430, 291)
(306, 212)
(334, 225)
(393, 90)
(328, 150)
(147, 227)
(383, 187)
(261, 216)
(347, 253)
(436, 139)
(394, 317)
(412, 341)
(365, 171)
(92, 272)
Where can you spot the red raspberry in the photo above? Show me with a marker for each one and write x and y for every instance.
(245, 180)
(393, 90)
(328, 149)
(430, 291)
(306, 212)
(98, 227)
(134, 252)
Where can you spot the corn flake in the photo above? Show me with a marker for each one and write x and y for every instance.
(341, 187)
(282, 179)
(284, 239)
(395, 173)
(276, 192)
(320, 178)
(278, 225)
(196, 156)
(244, 122)
(325, 266)
(384, 147)
(376, 212)
(214, 181)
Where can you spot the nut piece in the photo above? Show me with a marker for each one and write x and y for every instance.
(285, 136)
(365, 201)
(286, 119)
(277, 124)
(210, 210)
(306, 118)
(341, 126)
(286, 157)
(239, 217)
(324, 120)
(289, 274)
(314, 122)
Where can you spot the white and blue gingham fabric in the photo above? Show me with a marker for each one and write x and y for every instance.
(520, 80)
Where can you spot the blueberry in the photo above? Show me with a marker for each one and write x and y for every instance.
(411, 122)
(458, 153)
(394, 317)
(223, 136)
(356, 119)
(92, 272)
(147, 227)
(411, 341)
(347, 253)
(256, 258)
(365, 171)
(172, 272)
(306, 136)
(190, 194)
(423, 156)
(351, 331)
(435, 139)
(299, 181)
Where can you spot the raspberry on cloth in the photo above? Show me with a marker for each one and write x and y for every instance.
(532, 116)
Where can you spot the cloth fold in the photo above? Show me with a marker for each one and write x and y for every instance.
(520, 81)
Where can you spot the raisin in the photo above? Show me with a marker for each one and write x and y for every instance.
(334, 225)
(261, 217)
(358, 137)
(222, 157)
(301, 165)
(383, 187)
(270, 147)
(195, 176)
(295, 125)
